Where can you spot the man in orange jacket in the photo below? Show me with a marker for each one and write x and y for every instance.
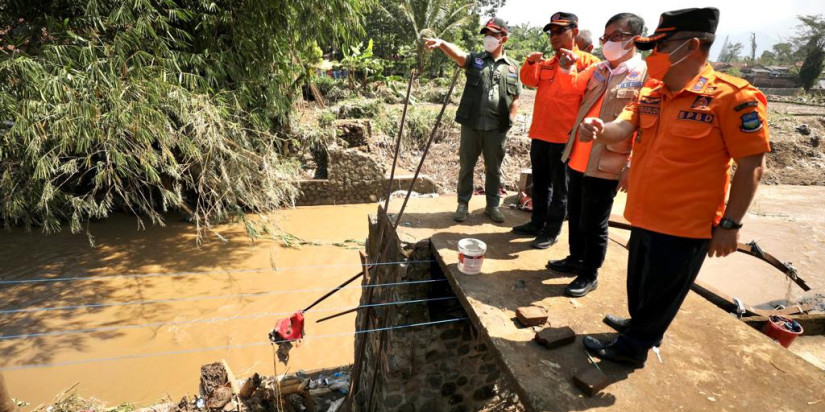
(690, 125)
(594, 169)
(554, 115)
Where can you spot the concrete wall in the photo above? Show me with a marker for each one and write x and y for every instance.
(354, 176)
(444, 367)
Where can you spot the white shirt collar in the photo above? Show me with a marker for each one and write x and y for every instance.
(625, 66)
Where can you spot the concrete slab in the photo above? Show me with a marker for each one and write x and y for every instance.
(711, 360)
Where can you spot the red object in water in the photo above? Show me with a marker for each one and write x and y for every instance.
(291, 328)
(776, 330)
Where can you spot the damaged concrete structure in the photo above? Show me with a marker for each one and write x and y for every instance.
(352, 173)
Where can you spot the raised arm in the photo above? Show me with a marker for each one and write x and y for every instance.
(451, 50)
(529, 74)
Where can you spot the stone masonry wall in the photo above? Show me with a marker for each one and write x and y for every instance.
(433, 368)
(354, 176)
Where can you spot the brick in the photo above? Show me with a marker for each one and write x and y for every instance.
(555, 337)
(591, 381)
(531, 316)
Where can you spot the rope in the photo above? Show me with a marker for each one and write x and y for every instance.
(209, 320)
(202, 298)
(175, 274)
(216, 348)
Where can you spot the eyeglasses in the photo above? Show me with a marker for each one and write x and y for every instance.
(557, 31)
(617, 35)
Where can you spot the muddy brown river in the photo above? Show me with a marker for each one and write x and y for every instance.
(143, 365)
(209, 296)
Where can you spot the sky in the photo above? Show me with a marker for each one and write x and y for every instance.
(773, 21)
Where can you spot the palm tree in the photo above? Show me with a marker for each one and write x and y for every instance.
(429, 18)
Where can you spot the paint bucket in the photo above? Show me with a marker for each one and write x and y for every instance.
(782, 329)
(471, 255)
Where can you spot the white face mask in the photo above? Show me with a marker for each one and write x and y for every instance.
(491, 43)
(614, 50)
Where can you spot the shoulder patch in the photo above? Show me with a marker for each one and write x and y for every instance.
(741, 106)
(699, 84)
(732, 80)
(751, 122)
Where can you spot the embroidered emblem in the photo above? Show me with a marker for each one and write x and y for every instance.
(710, 90)
(701, 102)
(700, 84)
(649, 100)
(751, 122)
(630, 85)
(478, 63)
(695, 116)
(654, 110)
(512, 68)
(740, 106)
(632, 76)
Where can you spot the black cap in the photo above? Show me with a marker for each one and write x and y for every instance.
(562, 19)
(495, 25)
(685, 20)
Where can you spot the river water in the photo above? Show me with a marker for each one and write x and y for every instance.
(222, 269)
(785, 219)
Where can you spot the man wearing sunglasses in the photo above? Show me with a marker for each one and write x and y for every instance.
(594, 170)
(554, 115)
(690, 125)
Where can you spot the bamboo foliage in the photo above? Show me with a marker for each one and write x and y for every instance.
(156, 105)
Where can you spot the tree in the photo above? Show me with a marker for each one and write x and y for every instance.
(153, 105)
(525, 39)
(431, 18)
(753, 48)
(768, 58)
(784, 53)
(730, 51)
(811, 33)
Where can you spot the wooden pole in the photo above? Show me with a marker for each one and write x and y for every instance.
(6, 404)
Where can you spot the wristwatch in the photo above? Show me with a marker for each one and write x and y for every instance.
(728, 224)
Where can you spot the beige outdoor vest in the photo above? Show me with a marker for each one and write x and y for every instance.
(607, 161)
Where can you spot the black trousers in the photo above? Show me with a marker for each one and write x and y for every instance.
(660, 270)
(589, 202)
(549, 185)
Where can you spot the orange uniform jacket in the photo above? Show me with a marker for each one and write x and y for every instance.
(557, 103)
(682, 152)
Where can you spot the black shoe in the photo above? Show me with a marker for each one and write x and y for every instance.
(581, 286)
(566, 265)
(527, 229)
(615, 352)
(544, 241)
(618, 324)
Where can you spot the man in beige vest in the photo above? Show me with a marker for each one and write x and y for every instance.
(594, 170)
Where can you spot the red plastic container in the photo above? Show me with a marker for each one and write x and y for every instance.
(775, 329)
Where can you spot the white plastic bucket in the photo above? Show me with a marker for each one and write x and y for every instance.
(471, 255)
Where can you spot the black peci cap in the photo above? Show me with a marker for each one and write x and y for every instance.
(495, 25)
(685, 20)
(562, 19)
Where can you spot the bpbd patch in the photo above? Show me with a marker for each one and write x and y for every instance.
(695, 116)
(751, 122)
